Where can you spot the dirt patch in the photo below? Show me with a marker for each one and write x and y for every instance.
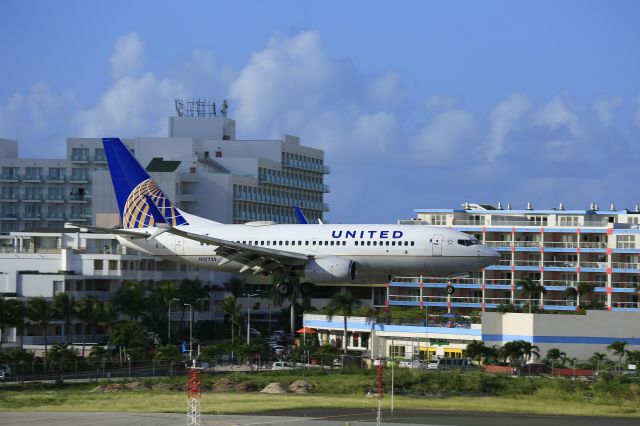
(301, 386)
(274, 388)
(167, 387)
(228, 385)
(117, 387)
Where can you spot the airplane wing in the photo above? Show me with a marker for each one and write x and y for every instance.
(115, 231)
(252, 257)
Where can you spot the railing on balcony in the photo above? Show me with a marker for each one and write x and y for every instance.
(497, 300)
(625, 265)
(75, 339)
(100, 295)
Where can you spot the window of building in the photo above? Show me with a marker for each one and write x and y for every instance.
(438, 219)
(397, 351)
(33, 173)
(568, 220)
(626, 241)
(80, 154)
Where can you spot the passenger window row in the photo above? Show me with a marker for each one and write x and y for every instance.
(326, 243)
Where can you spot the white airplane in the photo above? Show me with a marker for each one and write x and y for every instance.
(318, 254)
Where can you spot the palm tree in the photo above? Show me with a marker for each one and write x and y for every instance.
(571, 293)
(476, 350)
(17, 312)
(555, 355)
(130, 299)
(235, 286)
(598, 359)
(65, 309)
(345, 304)
(88, 311)
(109, 315)
(231, 309)
(519, 351)
(41, 312)
(529, 350)
(584, 290)
(531, 288)
(618, 348)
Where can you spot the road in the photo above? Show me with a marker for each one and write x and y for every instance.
(307, 417)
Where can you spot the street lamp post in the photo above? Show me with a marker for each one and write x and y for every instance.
(190, 330)
(249, 295)
(169, 320)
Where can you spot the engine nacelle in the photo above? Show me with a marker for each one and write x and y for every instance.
(329, 270)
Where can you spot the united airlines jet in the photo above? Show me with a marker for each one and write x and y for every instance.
(322, 253)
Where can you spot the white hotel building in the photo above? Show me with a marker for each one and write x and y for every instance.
(556, 247)
(200, 165)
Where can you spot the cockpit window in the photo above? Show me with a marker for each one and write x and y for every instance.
(468, 242)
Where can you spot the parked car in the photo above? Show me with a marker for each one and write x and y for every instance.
(452, 364)
(282, 365)
(414, 364)
(255, 333)
(5, 371)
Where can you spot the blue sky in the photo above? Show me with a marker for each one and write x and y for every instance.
(417, 103)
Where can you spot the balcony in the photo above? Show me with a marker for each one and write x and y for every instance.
(55, 198)
(55, 179)
(9, 198)
(78, 198)
(306, 165)
(9, 178)
(8, 216)
(32, 178)
(295, 183)
(80, 158)
(79, 179)
(52, 340)
(100, 295)
(99, 158)
(32, 199)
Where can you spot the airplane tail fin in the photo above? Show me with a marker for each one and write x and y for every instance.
(140, 199)
(301, 217)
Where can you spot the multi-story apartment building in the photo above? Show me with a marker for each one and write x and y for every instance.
(200, 165)
(557, 248)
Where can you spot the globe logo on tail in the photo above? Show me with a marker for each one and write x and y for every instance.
(136, 210)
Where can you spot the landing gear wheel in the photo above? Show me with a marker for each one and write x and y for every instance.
(306, 288)
(283, 288)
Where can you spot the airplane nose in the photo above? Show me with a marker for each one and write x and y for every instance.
(493, 253)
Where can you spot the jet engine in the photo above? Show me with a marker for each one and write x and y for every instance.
(331, 270)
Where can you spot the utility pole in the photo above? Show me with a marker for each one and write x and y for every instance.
(169, 320)
(190, 330)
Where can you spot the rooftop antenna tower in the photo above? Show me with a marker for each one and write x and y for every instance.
(196, 108)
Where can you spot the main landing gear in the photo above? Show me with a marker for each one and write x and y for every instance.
(284, 288)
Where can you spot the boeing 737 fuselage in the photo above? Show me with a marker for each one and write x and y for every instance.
(317, 254)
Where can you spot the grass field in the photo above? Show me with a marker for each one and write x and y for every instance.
(468, 392)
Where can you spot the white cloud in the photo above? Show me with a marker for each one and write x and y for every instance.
(38, 118)
(294, 86)
(131, 107)
(556, 115)
(504, 119)
(376, 129)
(448, 135)
(605, 109)
(441, 103)
(127, 56)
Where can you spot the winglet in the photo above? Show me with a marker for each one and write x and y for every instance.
(301, 218)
